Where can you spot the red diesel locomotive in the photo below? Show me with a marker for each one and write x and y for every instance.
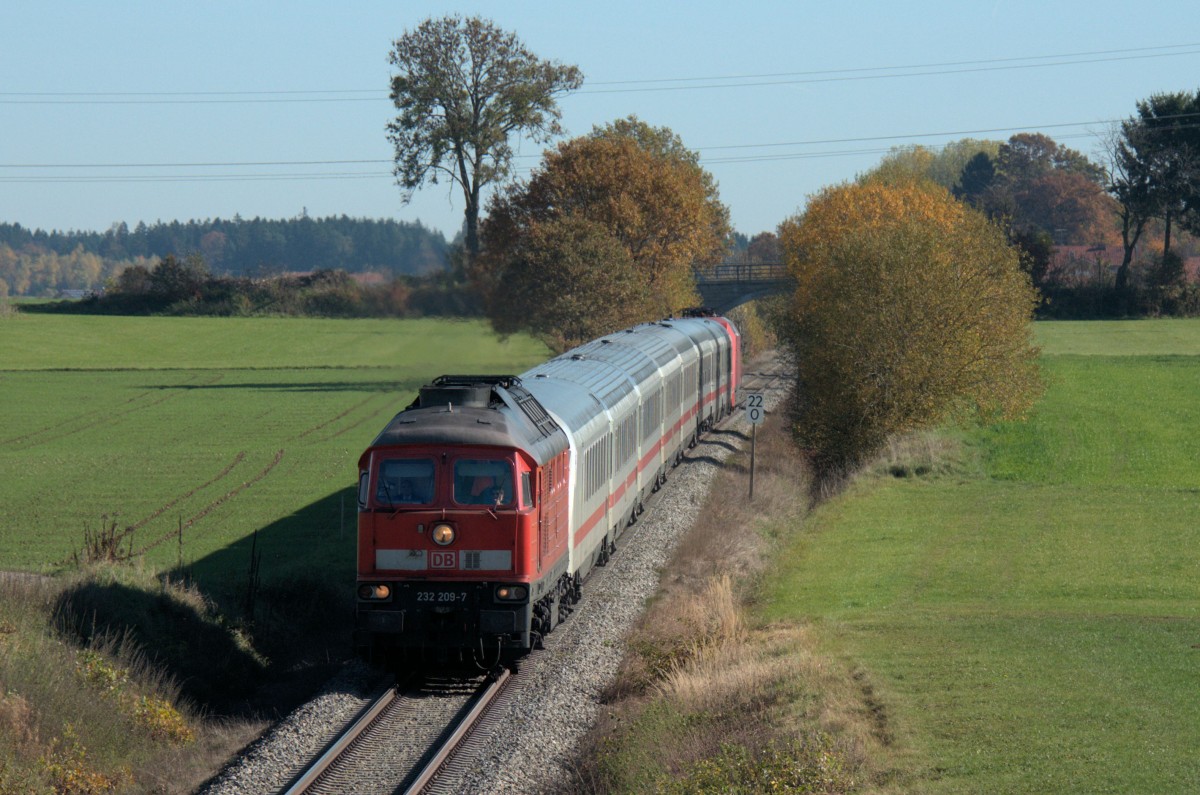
(484, 504)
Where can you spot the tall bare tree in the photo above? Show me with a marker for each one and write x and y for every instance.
(1129, 182)
(463, 87)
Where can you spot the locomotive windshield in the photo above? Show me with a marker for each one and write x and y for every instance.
(405, 481)
(483, 482)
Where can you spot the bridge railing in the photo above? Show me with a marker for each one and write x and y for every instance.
(742, 273)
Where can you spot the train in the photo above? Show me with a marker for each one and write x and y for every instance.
(484, 505)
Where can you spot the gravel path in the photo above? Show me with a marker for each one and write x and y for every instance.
(560, 694)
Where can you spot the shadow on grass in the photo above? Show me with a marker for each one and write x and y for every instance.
(249, 630)
(405, 390)
(183, 641)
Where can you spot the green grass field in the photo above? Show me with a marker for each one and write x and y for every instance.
(1033, 626)
(222, 426)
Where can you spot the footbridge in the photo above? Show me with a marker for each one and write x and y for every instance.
(725, 286)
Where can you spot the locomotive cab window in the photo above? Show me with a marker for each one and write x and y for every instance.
(405, 481)
(364, 489)
(483, 482)
(526, 490)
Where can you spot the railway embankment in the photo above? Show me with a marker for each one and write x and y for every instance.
(566, 691)
(702, 696)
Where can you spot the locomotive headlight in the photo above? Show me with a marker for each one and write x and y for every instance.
(511, 593)
(374, 592)
(442, 533)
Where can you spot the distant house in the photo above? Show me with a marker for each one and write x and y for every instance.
(1085, 263)
(1080, 264)
(76, 295)
(369, 279)
(1191, 269)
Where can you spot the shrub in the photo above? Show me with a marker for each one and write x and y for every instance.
(910, 309)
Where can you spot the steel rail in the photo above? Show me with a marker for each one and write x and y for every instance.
(461, 731)
(365, 719)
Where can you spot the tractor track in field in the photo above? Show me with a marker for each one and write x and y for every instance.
(368, 418)
(212, 506)
(106, 416)
(336, 417)
(237, 459)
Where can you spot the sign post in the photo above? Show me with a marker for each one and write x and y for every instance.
(755, 414)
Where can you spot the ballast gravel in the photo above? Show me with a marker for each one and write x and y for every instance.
(559, 696)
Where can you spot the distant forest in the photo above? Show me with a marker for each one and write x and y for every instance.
(36, 262)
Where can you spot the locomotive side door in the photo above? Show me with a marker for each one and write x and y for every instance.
(544, 513)
(550, 509)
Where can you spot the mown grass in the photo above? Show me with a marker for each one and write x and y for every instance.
(198, 446)
(1030, 622)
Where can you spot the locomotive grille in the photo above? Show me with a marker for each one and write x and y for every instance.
(533, 409)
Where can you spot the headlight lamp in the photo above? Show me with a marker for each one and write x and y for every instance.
(442, 533)
(369, 592)
(511, 593)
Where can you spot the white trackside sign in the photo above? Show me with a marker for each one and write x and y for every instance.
(755, 412)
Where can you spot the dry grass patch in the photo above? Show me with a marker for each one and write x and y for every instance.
(98, 715)
(706, 702)
(921, 454)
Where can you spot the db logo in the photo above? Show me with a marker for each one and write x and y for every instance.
(443, 560)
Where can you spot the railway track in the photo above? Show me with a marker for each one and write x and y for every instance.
(769, 373)
(409, 734)
(404, 738)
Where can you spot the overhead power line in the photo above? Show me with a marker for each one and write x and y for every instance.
(199, 165)
(333, 162)
(1160, 49)
(609, 87)
(24, 177)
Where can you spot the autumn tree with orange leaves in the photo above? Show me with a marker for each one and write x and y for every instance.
(604, 234)
(910, 310)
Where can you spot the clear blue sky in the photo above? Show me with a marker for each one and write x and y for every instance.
(780, 99)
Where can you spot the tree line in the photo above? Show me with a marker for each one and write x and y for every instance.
(185, 286)
(34, 261)
(1097, 239)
